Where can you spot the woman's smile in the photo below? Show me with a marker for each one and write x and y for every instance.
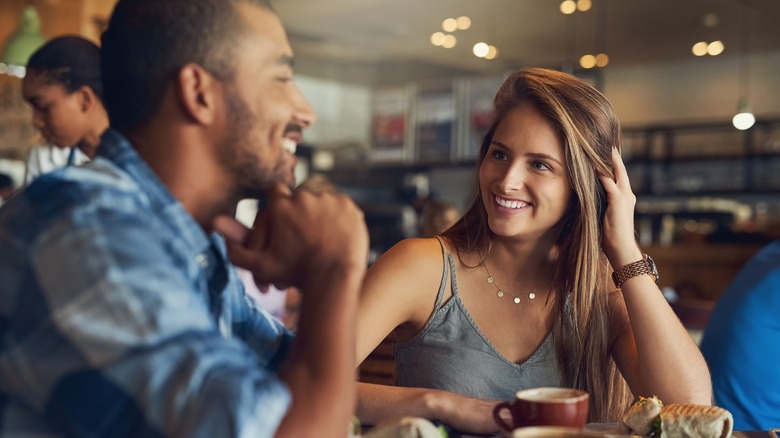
(510, 205)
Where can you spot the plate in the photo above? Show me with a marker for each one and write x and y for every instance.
(551, 432)
(608, 430)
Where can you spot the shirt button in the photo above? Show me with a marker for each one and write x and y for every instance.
(202, 260)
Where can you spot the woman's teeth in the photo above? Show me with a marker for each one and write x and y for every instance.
(510, 204)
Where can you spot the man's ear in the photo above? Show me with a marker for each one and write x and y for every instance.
(196, 91)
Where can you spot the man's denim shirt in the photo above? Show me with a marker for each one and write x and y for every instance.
(119, 316)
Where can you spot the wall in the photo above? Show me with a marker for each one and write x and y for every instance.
(58, 17)
(698, 89)
(343, 112)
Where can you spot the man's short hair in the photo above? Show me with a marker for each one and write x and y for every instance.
(148, 41)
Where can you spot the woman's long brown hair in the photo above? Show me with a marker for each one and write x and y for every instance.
(589, 129)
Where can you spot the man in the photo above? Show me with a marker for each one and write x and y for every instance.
(741, 342)
(119, 313)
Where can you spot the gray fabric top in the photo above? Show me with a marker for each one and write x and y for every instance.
(451, 353)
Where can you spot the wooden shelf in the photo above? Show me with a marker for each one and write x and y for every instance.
(700, 271)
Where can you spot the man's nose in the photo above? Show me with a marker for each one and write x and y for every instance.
(304, 113)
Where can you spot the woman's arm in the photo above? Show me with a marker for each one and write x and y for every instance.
(400, 289)
(654, 352)
(378, 402)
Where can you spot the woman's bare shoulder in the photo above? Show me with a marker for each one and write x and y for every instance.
(415, 252)
(402, 285)
(414, 265)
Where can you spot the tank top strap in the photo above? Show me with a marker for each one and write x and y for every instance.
(447, 267)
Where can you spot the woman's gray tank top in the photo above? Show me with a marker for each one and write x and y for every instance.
(452, 354)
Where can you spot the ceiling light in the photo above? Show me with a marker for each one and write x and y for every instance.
(449, 25)
(602, 60)
(492, 53)
(480, 50)
(464, 22)
(710, 20)
(715, 48)
(583, 5)
(588, 61)
(699, 49)
(744, 118)
(568, 7)
(449, 41)
(437, 39)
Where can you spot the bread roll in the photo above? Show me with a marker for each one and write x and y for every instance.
(640, 416)
(407, 427)
(682, 420)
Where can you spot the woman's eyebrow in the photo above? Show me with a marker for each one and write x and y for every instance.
(536, 155)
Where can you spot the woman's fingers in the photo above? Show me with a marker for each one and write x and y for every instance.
(621, 175)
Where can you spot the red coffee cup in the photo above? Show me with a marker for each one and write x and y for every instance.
(566, 407)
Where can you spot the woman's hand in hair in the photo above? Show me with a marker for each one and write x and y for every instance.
(618, 241)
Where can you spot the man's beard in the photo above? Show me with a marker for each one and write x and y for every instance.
(239, 152)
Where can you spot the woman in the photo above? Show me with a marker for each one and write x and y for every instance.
(518, 294)
(64, 86)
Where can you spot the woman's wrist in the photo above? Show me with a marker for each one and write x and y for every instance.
(433, 403)
(619, 257)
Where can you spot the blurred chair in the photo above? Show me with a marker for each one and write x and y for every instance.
(379, 366)
(694, 313)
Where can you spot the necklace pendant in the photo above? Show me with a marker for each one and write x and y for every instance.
(532, 295)
(500, 294)
(517, 300)
(490, 280)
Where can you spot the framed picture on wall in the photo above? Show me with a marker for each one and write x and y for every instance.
(390, 130)
(435, 118)
(478, 94)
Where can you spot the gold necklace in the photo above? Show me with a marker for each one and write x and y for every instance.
(500, 293)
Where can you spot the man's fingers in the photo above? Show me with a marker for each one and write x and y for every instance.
(279, 190)
(262, 266)
(231, 229)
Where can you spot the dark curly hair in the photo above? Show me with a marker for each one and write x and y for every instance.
(71, 62)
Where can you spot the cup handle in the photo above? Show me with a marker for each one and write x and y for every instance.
(497, 410)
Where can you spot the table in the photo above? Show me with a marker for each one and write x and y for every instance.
(736, 434)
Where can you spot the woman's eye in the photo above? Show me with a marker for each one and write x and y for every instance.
(499, 154)
(540, 165)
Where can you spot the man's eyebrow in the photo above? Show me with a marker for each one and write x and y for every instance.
(286, 60)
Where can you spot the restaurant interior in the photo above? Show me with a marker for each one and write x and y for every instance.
(403, 88)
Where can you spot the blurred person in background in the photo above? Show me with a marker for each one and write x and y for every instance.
(741, 342)
(7, 187)
(518, 293)
(121, 311)
(64, 87)
(436, 216)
